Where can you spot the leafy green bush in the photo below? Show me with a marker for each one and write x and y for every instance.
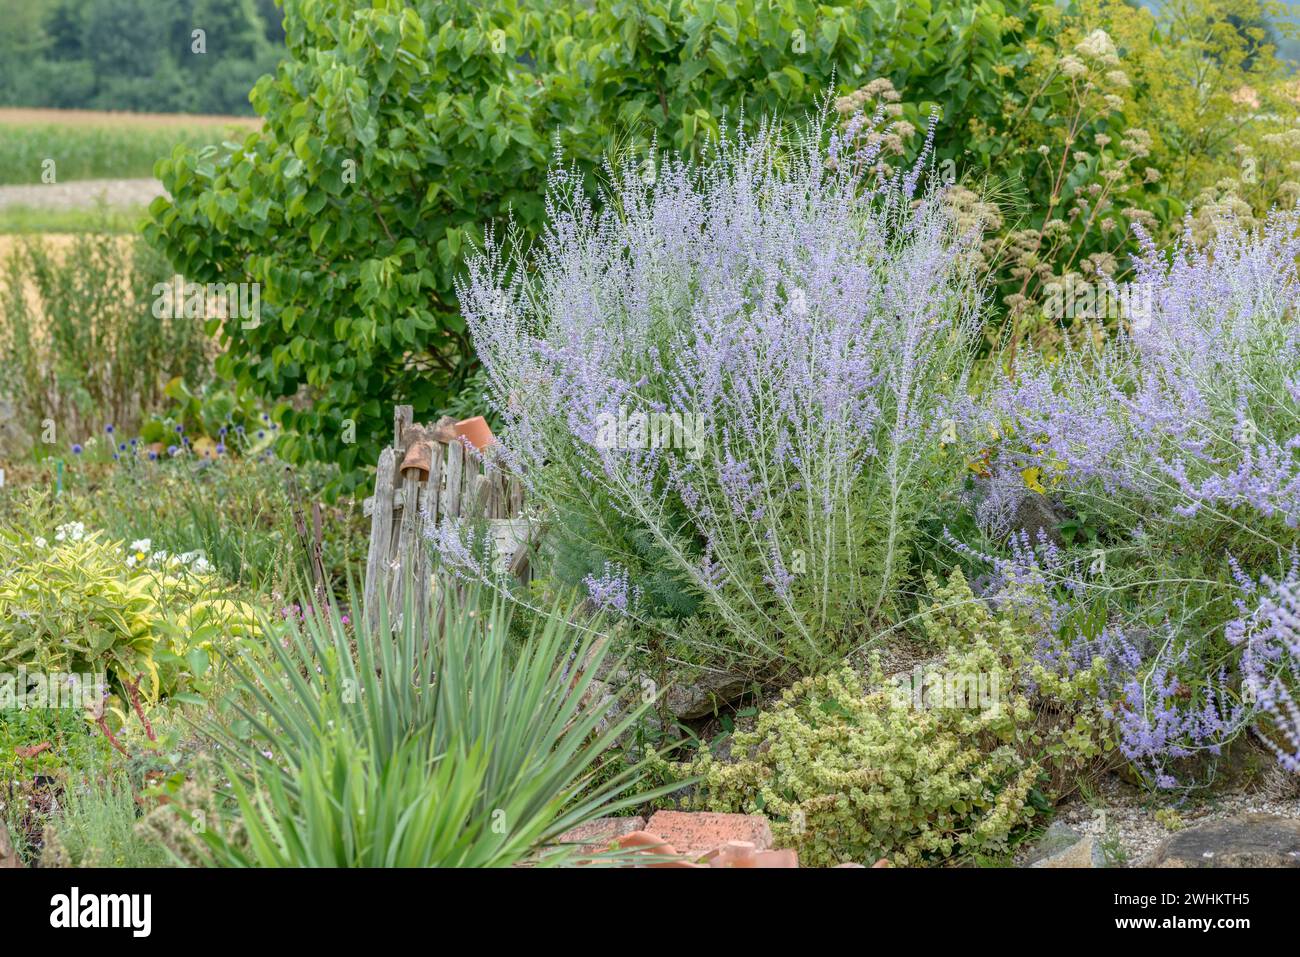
(85, 605)
(849, 770)
(394, 133)
(458, 748)
(97, 827)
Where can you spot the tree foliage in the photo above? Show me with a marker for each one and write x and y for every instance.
(395, 132)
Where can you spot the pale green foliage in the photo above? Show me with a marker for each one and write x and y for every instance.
(81, 606)
(461, 748)
(853, 770)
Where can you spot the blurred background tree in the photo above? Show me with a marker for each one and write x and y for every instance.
(136, 54)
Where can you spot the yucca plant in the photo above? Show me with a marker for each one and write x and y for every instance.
(390, 747)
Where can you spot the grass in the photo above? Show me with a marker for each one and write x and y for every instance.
(87, 145)
(97, 828)
(21, 220)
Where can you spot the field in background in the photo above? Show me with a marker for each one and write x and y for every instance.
(85, 144)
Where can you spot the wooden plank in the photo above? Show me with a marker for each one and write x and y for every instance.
(381, 530)
(469, 484)
(455, 467)
(408, 585)
(479, 500)
(434, 494)
(403, 416)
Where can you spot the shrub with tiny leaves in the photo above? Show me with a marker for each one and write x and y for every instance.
(849, 769)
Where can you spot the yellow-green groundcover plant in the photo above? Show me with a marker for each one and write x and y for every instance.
(85, 604)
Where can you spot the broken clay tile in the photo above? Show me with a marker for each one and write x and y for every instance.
(653, 846)
(744, 854)
(476, 432)
(598, 834)
(419, 455)
(698, 832)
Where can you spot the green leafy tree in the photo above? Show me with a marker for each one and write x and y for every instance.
(394, 132)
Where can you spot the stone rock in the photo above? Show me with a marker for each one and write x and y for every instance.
(1036, 513)
(701, 698)
(696, 833)
(1062, 846)
(597, 835)
(1247, 840)
(600, 696)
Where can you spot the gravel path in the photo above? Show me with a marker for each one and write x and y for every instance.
(1129, 824)
(82, 194)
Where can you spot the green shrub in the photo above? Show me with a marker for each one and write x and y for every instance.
(849, 770)
(395, 132)
(83, 604)
(457, 748)
(97, 827)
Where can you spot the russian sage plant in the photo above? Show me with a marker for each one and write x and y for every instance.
(728, 383)
(1268, 630)
(1181, 435)
(1188, 421)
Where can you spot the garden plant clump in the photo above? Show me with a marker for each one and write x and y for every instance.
(1154, 603)
(905, 400)
(784, 341)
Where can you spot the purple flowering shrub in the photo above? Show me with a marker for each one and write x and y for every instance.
(727, 383)
(1181, 437)
(1166, 695)
(1268, 632)
(1188, 421)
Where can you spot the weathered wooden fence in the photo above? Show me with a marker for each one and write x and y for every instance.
(427, 472)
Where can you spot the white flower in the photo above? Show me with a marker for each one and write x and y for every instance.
(141, 545)
(40, 542)
(158, 557)
(1096, 44)
(70, 532)
(201, 566)
(1072, 66)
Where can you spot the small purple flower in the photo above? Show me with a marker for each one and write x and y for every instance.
(76, 448)
(108, 429)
